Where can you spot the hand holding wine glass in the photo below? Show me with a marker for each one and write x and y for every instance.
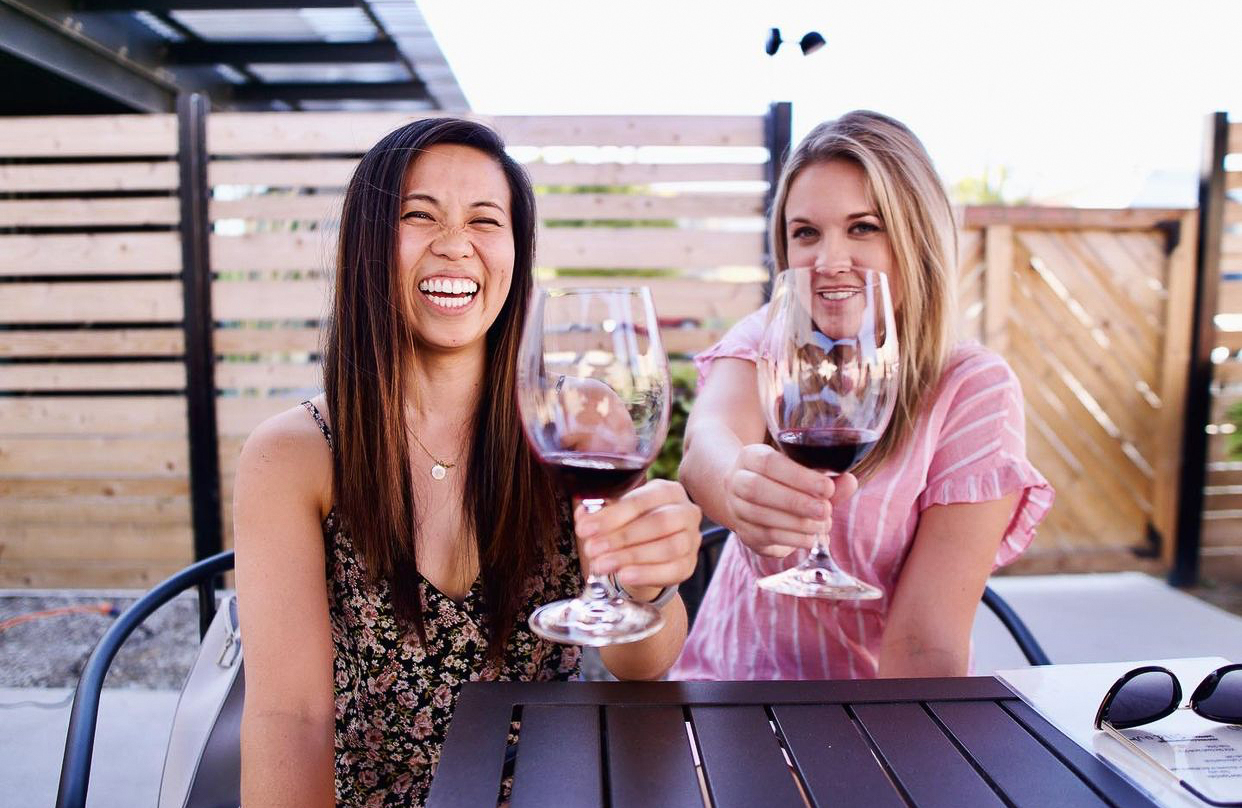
(828, 374)
(593, 394)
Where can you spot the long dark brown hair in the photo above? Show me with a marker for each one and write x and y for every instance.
(511, 506)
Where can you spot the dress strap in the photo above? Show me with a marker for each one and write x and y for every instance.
(323, 425)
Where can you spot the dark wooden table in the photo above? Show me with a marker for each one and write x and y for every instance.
(898, 742)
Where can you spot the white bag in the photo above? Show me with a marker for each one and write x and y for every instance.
(202, 768)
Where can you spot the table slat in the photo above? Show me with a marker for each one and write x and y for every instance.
(649, 760)
(1016, 762)
(558, 758)
(1115, 789)
(925, 762)
(475, 745)
(828, 749)
(742, 759)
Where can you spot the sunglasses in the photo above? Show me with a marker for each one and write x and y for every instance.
(1151, 693)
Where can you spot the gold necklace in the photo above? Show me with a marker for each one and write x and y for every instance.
(440, 470)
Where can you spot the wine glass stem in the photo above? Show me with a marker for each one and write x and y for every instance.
(596, 587)
(819, 556)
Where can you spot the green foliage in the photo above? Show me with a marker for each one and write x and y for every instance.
(683, 377)
(1233, 441)
(986, 189)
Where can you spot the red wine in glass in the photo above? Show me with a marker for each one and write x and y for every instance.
(828, 375)
(593, 395)
(835, 449)
(594, 475)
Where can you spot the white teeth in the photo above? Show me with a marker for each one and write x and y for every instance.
(453, 286)
(840, 294)
(450, 302)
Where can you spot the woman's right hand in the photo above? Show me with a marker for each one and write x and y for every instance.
(777, 505)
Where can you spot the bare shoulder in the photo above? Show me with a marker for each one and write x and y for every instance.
(288, 451)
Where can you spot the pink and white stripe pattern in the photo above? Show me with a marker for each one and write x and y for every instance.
(968, 446)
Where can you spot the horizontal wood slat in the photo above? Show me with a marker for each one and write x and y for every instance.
(90, 254)
(84, 541)
(89, 212)
(589, 248)
(326, 208)
(1235, 138)
(103, 302)
(104, 573)
(1058, 218)
(93, 486)
(89, 136)
(354, 132)
(102, 376)
(335, 173)
(43, 458)
(56, 177)
(97, 415)
(265, 340)
(92, 342)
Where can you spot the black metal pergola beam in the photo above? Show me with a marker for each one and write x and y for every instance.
(1185, 570)
(158, 6)
(244, 53)
(82, 61)
(295, 91)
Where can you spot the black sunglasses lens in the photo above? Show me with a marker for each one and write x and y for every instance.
(1225, 703)
(1144, 698)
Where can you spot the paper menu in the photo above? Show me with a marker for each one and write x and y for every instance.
(1207, 755)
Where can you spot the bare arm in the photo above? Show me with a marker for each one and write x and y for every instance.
(288, 718)
(773, 504)
(938, 591)
(650, 539)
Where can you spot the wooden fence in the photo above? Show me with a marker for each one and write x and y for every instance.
(1089, 307)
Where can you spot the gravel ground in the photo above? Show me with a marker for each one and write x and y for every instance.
(51, 650)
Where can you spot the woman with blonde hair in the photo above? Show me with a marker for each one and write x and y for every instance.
(946, 496)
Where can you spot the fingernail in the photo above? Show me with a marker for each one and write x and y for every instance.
(587, 529)
(820, 510)
(604, 566)
(594, 548)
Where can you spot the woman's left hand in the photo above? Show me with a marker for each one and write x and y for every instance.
(649, 538)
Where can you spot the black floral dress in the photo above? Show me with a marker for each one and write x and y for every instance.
(395, 696)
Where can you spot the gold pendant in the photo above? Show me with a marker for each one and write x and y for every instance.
(438, 472)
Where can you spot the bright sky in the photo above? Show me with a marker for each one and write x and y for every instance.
(1081, 100)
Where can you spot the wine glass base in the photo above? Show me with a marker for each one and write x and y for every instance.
(610, 621)
(819, 582)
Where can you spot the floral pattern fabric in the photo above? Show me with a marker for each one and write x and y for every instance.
(395, 696)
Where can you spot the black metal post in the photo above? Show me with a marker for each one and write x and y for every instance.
(1185, 570)
(199, 353)
(777, 135)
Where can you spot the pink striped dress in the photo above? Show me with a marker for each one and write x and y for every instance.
(967, 446)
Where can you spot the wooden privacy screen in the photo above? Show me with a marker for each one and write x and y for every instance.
(1221, 551)
(1088, 306)
(93, 487)
(1091, 308)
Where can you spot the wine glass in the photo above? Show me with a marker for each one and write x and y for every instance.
(593, 393)
(828, 375)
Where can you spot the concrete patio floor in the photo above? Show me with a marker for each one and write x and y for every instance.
(1077, 618)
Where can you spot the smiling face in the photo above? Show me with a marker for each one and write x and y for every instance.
(455, 248)
(832, 223)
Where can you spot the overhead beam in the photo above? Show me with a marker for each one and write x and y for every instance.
(244, 53)
(332, 91)
(158, 6)
(82, 61)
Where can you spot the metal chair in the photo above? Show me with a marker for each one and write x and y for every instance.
(713, 539)
(75, 771)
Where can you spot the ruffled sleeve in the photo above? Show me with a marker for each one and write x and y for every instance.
(739, 342)
(980, 452)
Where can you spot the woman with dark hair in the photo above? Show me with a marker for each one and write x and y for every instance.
(394, 534)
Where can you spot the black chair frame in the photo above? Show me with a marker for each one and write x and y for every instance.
(75, 771)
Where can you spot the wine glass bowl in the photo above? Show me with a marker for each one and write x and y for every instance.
(593, 395)
(828, 374)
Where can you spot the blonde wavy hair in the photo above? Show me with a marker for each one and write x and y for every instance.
(911, 201)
